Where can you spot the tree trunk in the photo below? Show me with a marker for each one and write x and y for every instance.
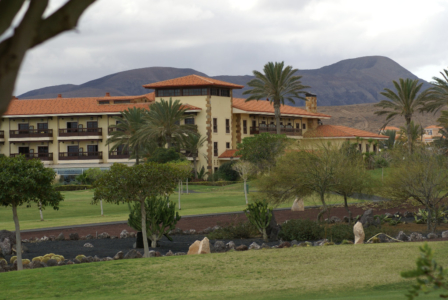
(40, 211)
(408, 132)
(101, 204)
(18, 239)
(428, 221)
(145, 236)
(179, 196)
(194, 166)
(245, 191)
(168, 140)
(324, 205)
(153, 242)
(187, 185)
(265, 235)
(348, 210)
(137, 158)
(277, 115)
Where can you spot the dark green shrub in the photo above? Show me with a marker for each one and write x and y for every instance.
(301, 230)
(227, 173)
(339, 232)
(234, 230)
(163, 155)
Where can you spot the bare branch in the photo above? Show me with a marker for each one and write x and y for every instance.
(8, 11)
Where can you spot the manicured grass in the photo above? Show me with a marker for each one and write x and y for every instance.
(333, 272)
(76, 208)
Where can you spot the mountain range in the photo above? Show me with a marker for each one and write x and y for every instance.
(350, 81)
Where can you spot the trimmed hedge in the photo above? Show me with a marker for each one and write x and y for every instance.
(70, 187)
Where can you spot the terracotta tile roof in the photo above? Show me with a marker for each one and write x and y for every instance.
(334, 131)
(62, 106)
(433, 127)
(229, 154)
(192, 80)
(264, 106)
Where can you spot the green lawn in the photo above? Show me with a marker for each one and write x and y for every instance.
(333, 272)
(76, 208)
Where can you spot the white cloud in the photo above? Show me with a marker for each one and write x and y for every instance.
(235, 37)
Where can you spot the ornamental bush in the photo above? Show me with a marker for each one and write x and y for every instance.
(301, 230)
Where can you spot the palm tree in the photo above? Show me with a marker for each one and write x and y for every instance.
(405, 102)
(162, 122)
(417, 132)
(439, 91)
(192, 144)
(123, 134)
(276, 84)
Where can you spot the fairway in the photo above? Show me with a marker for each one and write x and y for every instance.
(334, 272)
(77, 208)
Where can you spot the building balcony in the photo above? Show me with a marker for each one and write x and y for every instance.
(41, 156)
(80, 155)
(273, 129)
(81, 132)
(119, 154)
(27, 133)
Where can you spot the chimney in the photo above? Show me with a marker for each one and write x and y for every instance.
(107, 95)
(59, 95)
(311, 102)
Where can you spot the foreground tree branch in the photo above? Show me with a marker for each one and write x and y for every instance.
(32, 31)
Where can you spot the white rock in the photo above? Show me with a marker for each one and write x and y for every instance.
(88, 245)
(254, 246)
(445, 234)
(124, 234)
(298, 205)
(358, 230)
(204, 246)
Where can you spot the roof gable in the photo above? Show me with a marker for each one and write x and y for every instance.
(191, 80)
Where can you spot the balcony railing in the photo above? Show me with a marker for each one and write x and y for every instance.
(80, 155)
(2, 134)
(41, 156)
(273, 129)
(119, 154)
(25, 133)
(80, 132)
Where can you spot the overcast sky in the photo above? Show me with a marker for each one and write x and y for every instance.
(234, 37)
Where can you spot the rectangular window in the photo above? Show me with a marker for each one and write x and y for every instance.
(225, 92)
(73, 150)
(216, 169)
(92, 124)
(24, 150)
(227, 145)
(42, 125)
(303, 126)
(189, 121)
(215, 125)
(24, 126)
(122, 101)
(214, 92)
(367, 148)
(245, 126)
(168, 93)
(360, 147)
(227, 126)
(103, 102)
(215, 148)
(374, 148)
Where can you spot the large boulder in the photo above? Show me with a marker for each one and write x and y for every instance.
(219, 246)
(254, 246)
(415, 237)
(298, 205)
(11, 235)
(402, 237)
(5, 247)
(432, 236)
(60, 237)
(119, 255)
(358, 230)
(204, 246)
(368, 219)
(230, 245)
(194, 248)
(74, 236)
(124, 234)
(133, 254)
(445, 234)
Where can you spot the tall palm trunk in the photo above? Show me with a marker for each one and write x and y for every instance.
(137, 156)
(168, 140)
(18, 239)
(277, 115)
(144, 235)
(194, 166)
(408, 132)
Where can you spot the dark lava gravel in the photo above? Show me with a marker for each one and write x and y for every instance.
(110, 247)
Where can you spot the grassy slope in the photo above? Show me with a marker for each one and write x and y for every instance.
(76, 208)
(334, 272)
